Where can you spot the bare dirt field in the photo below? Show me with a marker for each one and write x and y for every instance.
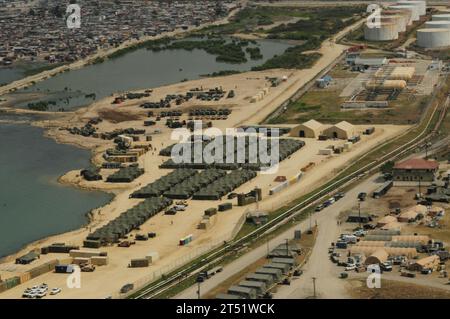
(395, 290)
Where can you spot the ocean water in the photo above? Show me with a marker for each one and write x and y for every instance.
(33, 205)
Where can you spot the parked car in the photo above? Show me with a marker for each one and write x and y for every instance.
(343, 275)
(426, 271)
(359, 233)
(339, 195)
(286, 281)
(126, 288)
(386, 266)
(350, 267)
(319, 207)
(362, 196)
(232, 195)
(55, 291)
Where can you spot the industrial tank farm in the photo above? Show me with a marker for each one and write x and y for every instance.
(436, 34)
(395, 20)
(386, 32)
(415, 16)
(421, 6)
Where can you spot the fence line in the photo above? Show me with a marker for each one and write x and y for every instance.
(182, 261)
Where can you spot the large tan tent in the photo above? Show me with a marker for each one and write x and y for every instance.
(342, 130)
(368, 243)
(430, 262)
(377, 257)
(392, 225)
(386, 220)
(392, 251)
(423, 239)
(310, 129)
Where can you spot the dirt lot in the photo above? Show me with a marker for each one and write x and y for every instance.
(395, 290)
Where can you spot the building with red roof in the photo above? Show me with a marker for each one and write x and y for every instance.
(413, 171)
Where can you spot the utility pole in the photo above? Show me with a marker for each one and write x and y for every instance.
(314, 287)
(359, 213)
(287, 247)
(198, 289)
(268, 251)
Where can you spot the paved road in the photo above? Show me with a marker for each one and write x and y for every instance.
(302, 287)
(328, 285)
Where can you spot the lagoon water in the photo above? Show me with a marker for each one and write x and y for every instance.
(142, 69)
(33, 205)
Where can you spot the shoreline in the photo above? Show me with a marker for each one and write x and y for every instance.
(296, 79)
(101, 54)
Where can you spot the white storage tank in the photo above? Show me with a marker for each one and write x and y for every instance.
(399, 21)
(441, 17)
(422, 5)
(433, 38)
(438, 24)
(386, 32)
(415, 16)
(404, 17)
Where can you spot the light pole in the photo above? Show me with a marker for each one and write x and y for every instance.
(198, 289)
(314, 287)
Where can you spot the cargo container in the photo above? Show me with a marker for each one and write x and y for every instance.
(186, 240)
(225, 206)
(325, 151)
(92, 244)
(84, 253)
(137, 263)
(64, 269)
(99, 260)
(81, 260)
(211, 212)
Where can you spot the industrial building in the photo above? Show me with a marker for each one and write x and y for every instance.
(310, 129)
(414, 171)
(342, 130)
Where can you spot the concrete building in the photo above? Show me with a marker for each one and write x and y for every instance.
(310, 129)
(415, 171)
(342, 130)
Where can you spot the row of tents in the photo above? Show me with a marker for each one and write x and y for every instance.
(125, 175)
(188, 187)
(164, 183)
(224, 185)
(241, 156)
(129, 220)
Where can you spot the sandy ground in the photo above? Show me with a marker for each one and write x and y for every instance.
(171, 228)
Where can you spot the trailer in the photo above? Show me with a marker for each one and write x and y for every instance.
(382, 190)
